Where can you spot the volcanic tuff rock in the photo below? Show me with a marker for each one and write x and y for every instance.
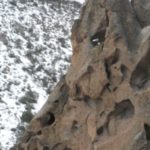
(103, 102)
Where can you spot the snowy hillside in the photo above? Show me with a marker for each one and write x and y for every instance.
(34, 53)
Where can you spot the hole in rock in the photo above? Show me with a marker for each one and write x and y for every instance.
(56, 101)
(140, 77)
(78, 89)
(147, 131)
(39, 132)
(107, 69)
(46, 148)
(100, 130)
(47, 119)
(111, 60)
(86, 98)
(98, 38)
(88, 101)
(67, 148)
(75, 125)
(124, 109)
(90, 69)
(124, 71)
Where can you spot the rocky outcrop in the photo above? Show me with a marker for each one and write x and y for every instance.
(103, 102)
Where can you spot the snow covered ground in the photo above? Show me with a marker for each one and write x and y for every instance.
(34, 53)
(80, 1)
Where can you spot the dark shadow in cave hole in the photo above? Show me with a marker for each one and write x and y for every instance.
(98, 38)
(100, 130)
(47, 119)
(75, 125)
(124, 109)
(147, 131)
(140, 77)
(46, 148)
(39, 132)
(110, 61)
(124, 71)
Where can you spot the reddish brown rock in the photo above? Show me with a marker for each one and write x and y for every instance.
(103, 102)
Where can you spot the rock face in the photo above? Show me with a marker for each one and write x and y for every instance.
(103, 102)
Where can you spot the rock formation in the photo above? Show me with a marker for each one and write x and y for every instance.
(103, 102)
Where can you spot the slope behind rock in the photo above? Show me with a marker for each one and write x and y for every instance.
(107, 106)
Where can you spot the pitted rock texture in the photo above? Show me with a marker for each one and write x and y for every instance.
(103, 102)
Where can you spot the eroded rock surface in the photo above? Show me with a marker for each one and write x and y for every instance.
(103, 102)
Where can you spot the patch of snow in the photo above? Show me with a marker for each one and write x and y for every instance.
(34, 53)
